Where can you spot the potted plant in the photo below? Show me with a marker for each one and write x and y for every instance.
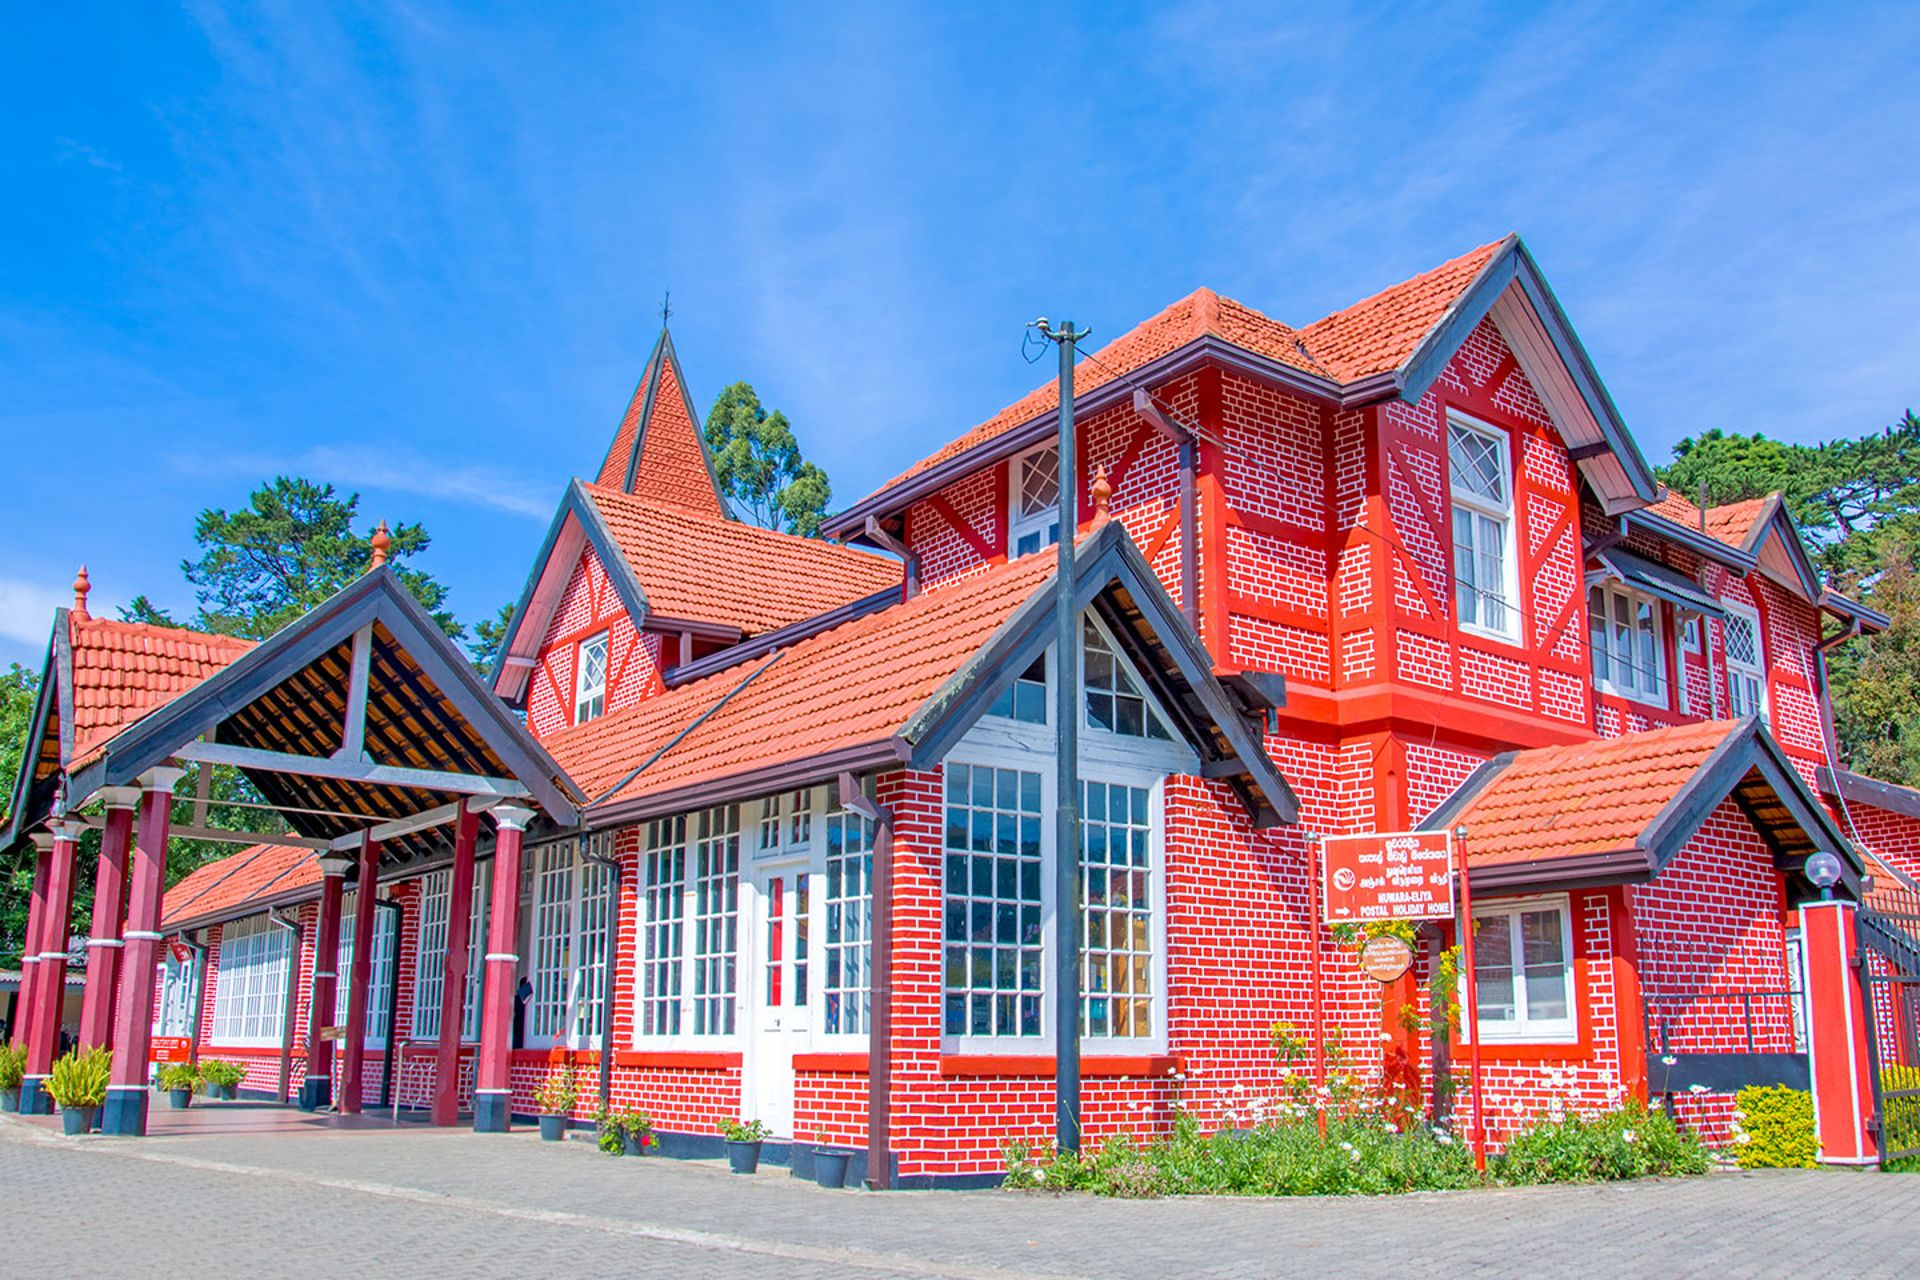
(78, 1083)
(554, 1099)
(180, 1081)
(222, 1078)
(743, 1143)
(13, 1069)
(830, 1167)
(636, 1127)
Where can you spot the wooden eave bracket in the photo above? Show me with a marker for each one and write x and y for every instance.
(1148, 408)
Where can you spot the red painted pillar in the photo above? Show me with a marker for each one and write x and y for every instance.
(1837, 1034)
(316, 1090)
(109, 909)
(23, 1020)
(126, 1110)
(50, 975)
(492, 1095)
(353, 1053)
(453, 986)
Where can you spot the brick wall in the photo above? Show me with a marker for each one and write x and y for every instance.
(588, 606)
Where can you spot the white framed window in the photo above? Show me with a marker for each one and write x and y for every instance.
(380, 984)
(1523, 970)
(995, 975)
(569, 965)
(786, 823)
(1119, 912)
(1797, 988)
(436, 893)
(715, 915)
(1112, 692)
(848, 925)
(1746, 665)
(1628, 646)
(250, 992)
(1034, 503)
(590, 679)
(1485, 567)
(1027, 698)
(663, 931)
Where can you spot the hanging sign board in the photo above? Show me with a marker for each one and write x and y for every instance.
(182, 953)
(170, 1049)
(1386, 957)
(333, 1033)
(1394, 875)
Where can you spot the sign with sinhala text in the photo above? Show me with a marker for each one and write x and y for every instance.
(1394, 875)
(170, 1049)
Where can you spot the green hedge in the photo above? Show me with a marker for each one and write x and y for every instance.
(1773, 1128)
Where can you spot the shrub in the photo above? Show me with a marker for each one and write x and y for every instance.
(219, 1071)
(1773, 1128)
(13, 1065)
(557, 1093)
(615, 1127)
(1631, 1142)
(80, 1078)
(743, 1130)
(1900, 1117)
(180, 1075)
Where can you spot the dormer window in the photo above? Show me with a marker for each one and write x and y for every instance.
(1746, 672)
(1629, 652)
(1486, 589)
(590, 680)
(1035, 508)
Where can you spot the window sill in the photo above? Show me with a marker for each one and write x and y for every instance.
(1473, 632)
(855, 1063)
(1651, 703)
(1531, 1051)
(683, 1059)
(1038, 1064)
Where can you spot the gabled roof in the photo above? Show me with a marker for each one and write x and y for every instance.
(726, 578)
(1617, 809)
(899, 687)
(256, 876)
(659, 451)
(1758, 533)
(1393, 344)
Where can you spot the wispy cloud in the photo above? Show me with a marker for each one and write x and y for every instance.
(26, 610)
(390, 469)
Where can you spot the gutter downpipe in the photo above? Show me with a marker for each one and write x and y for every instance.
(612, 931)
(293, 998)
(393, 999)
(1827, 731)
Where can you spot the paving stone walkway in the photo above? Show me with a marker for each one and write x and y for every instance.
(440, 1203)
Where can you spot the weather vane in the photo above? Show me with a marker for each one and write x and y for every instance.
(666, 306)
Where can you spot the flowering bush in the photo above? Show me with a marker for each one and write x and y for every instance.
(1900, 1116)
(1773, 1128)
(1629, 1142)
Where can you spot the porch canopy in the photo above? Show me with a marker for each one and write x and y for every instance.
(368, 733)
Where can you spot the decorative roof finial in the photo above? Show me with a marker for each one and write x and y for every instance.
(381, 541)
(1102, 497)
(666, 307)
(81, 585)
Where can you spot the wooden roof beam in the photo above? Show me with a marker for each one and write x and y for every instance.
(379, 775)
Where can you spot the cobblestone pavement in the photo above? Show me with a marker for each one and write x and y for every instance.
(446, 1203)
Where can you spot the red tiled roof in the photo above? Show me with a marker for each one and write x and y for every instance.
(123, 670)
(705, 569)
(1730, 523)
(1587, 798)
(1374, 335)
(225, 886)
(673, 463)
(856, 685)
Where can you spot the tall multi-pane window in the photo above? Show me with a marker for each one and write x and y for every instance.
(1484, 569)
(436, 892)
(1746, 671)
(716, 929)
(849, 922)
(1523, 972)
(380, 985)
(553, 939)
(590, 680)
(250, 995)
(1116, 910)
(993, 971)
(1629, 653)
(1035, 520)
(1114, 701)
(663, 931)
(589, 986)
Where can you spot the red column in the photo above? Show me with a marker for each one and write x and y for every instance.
(317, 1090)
(50, 975)
(492, 1096)
(109, 908)
(126, 1110)
(1837, 1034)
(353, 1054)
(453, 987)
(30, 944)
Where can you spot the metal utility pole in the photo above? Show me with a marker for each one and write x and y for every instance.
(1066, 716)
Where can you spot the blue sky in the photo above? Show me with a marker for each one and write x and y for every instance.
(418, 250)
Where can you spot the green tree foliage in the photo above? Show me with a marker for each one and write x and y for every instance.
(488, 635)
(757, 461)
(293, 545)
(1858, 501)
(17, 690)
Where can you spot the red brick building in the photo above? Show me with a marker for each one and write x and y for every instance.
(1403, 567)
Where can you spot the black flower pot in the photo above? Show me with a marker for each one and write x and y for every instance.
(9, 1099)
(179, 1099)
(226, 1092)
(743, 1157)
(76, 1120)
(830, 1167)
(553, 1128)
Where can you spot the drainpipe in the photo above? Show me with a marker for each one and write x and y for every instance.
(293, 997)
(1829, 735)
(606, 974)
(393, 999)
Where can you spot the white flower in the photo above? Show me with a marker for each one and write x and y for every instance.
(1346, 1146)
(1696, 1088)
(1743, 1137)
(1444, 1139)
(1629, 1136)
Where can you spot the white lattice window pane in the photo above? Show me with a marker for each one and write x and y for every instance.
(430, 962)
(1039, 482)
(552, 942)
(992, 928)
(716, 885)
(590, 695)
(662, 934)
(849, 922)
(1116, 911)
(1477, 465)
(1741, 646)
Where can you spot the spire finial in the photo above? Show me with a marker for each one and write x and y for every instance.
(381, 541)
(666, 307)
(1102, 497)
(81, 585)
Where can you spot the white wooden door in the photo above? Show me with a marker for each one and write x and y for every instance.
(781, 984)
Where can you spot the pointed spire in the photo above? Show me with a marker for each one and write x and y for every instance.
(382, 540)
(81, 585)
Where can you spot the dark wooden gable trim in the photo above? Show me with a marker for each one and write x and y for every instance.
(29, 797)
